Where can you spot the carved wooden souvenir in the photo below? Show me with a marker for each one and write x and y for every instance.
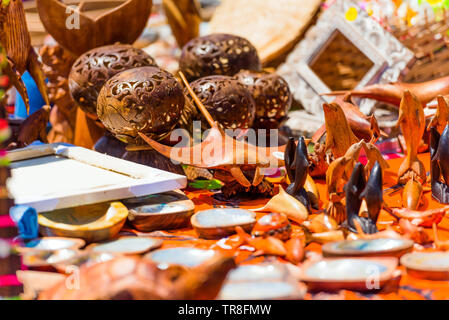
(92, 223)
(221, 152)
(163, 211)
(145, 100)
(292, 250)
(337, 174)
(228, 101)
(273, 224)
(287, 204)
(138, 278)
(14, 37)
(221, 222)
(393, 92)
(441, 117)
(33, 128)
(412, 123)
(427, 265)
(439, 168)
(128, 245)
(57, 63)
(373, 155)
(218, 54)
(387, 246)
(347, 273)
(184, 18)
(94, 68)
(354, 190)
(297, 167)
(271, 95)
(373, 192)
(439, 244)
(420, 218)
(339, 136)
(362, 126)
(123, 23)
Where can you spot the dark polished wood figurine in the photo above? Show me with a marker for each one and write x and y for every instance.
(439, 168)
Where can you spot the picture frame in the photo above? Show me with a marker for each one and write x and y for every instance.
(56, 176)
(389, 57)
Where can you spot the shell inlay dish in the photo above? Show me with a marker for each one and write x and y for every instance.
(344, 269)
(224, 217)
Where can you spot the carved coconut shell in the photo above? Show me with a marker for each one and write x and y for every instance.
(271, 95)
(92, 69)
(147, 100)
(227, 100)
(218, 54)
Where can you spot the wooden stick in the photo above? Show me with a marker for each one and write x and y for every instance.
(200, 105)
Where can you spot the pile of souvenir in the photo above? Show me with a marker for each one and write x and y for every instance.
(287, 160)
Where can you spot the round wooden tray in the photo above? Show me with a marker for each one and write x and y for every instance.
(368, 248)
(358, 274)
(427, 265)
(126, 245)
(183, 256)
(221, 222)
(51, 244)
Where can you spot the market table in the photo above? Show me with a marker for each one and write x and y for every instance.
(403, 287)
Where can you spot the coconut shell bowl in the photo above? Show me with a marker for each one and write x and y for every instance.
(166, 211)
(92, 223)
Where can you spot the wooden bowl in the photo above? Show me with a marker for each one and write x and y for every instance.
(51, 244)
(92, 223)
(427, 265)
(263, 290)
(126, 245)
(170, 210)
(181, 256)
(83, 258)
(43, 260)
(221, 222)
(368, 248)
(348, 273)
(260, 272)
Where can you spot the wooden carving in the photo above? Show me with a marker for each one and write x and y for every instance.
(441, 117)
(220, 151)
(184, 19)
(297, 167)
(393, 92)
(123, 23)
(412, 123)
(14, 37)
(362, 126)
(339, 136)
(140, 279)
(439, 165)
(355, 194)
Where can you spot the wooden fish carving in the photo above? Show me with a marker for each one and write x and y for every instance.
(412, 123)
(362, 126)
(373, 192)
(339, 136)
(354, 189)
(298, 169)
(441, 117)
(439, 167)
